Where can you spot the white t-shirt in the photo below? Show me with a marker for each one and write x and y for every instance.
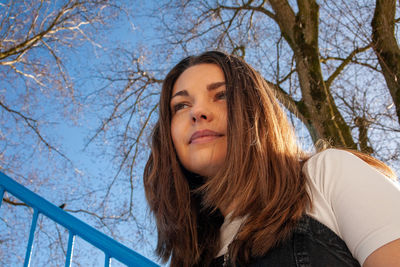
(356, 201)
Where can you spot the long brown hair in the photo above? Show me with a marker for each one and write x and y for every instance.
(261, 173)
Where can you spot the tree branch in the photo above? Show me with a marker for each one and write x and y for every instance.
(345, 62)
(30, 42)
(31, 123)
(14, 203)
(248, 6)
(287, 101)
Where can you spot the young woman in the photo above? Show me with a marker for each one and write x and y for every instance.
(229, 185)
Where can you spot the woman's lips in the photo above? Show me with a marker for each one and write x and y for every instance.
(203, 136)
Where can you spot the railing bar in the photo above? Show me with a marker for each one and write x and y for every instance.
(70, 249)
(107, 260)
(1, 194)
(31, 237)
(103, 242)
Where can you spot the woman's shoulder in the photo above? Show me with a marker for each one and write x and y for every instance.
(331, 155)
(333, 162)
(359, 196)
(342, 163)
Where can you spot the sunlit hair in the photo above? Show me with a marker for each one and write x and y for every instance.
(261, 173)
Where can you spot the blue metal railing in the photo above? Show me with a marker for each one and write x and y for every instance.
(110, 247)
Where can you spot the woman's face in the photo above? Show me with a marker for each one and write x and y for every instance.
(199, 119)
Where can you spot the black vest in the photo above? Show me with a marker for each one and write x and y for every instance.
(312, 244)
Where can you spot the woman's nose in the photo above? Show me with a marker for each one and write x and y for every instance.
(201, 112)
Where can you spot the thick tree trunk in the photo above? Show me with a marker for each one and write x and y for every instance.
(317, 105)
(386, 47)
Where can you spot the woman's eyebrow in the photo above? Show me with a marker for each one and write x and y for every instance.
(213, 86)
(180, 93)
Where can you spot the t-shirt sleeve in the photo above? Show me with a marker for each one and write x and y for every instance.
(365, 203)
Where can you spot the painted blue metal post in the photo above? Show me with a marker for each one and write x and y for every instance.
(1, 194)
(31, 237)
(70, 249)
(107, 260)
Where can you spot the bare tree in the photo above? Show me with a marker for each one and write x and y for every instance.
(33, 38)
(40, 41)
(308, 52)
(325, 60)
(386, 47)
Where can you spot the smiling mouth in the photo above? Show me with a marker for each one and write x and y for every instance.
(204, 136)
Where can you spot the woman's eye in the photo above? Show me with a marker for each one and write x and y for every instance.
(179, 106)
(220, 95)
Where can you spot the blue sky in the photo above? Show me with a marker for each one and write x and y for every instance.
(78, 181)
(82, 182)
